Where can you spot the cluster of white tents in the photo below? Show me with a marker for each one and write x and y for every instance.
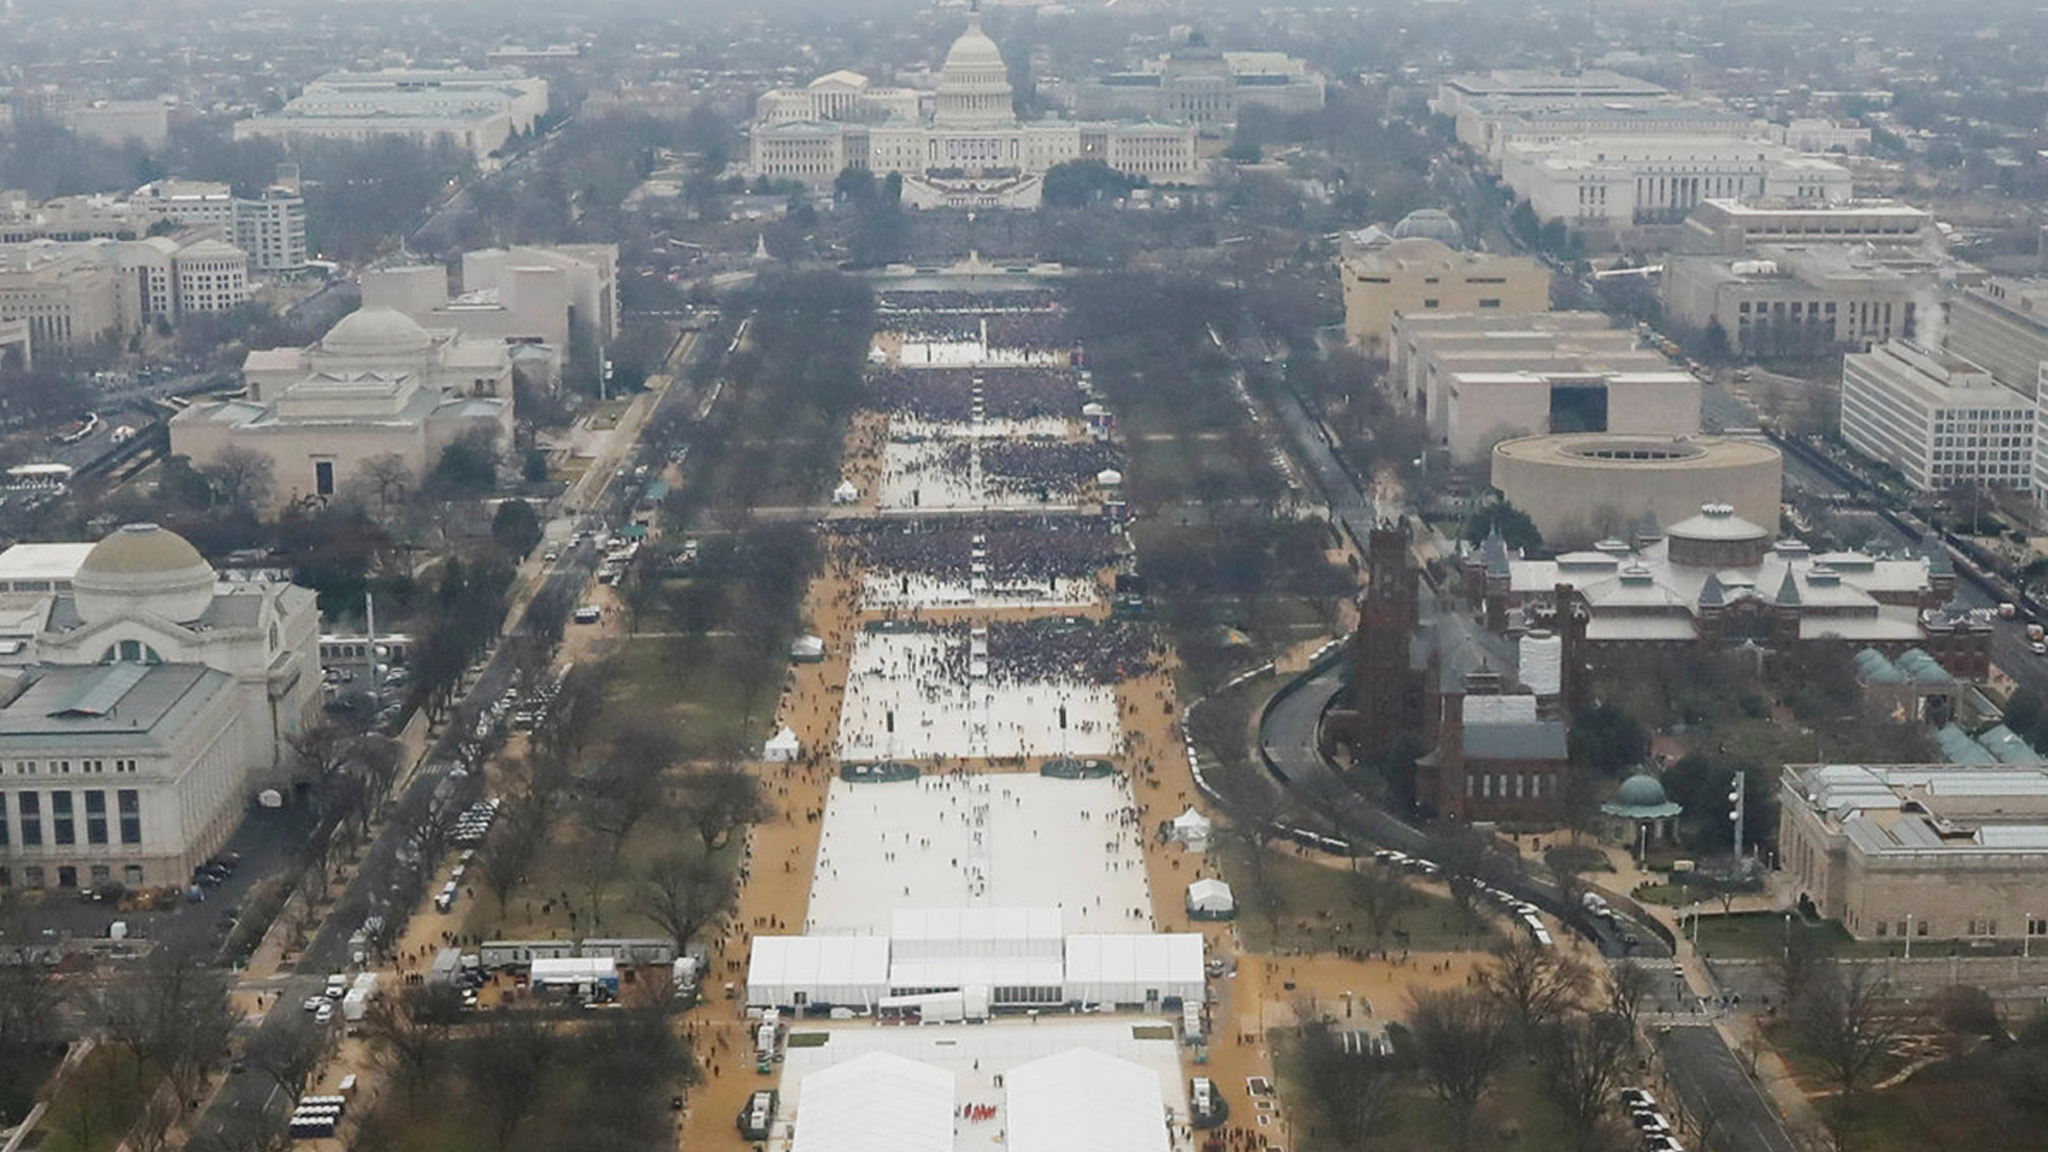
(1003, 957)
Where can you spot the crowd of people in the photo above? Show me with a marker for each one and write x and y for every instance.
(1032, 465)
(1013, 548)
(957, 300)
(1029, 330)
(948, 394)
(1047, 651)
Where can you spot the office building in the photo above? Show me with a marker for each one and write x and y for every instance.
(147, 702)
(1478, 378)
(377, 386)
(1417, 275)
(2001, 325)
(69, 297)
(1918, 851)
(1937, 420)
(1197, 84)
(476, 111)
(1731, 227)
(1614, 181)
(1803, 299)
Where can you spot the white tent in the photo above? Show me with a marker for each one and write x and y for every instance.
(1193, 829)
(1129, 969)
(1210, 899)
(846, 493)
(782, 746)
(1082, 1100)
(807, 649)
(875, 1102)
(1109, 478)
(785, 971)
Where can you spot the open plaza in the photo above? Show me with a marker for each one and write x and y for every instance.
(928, 694)
(990, 840)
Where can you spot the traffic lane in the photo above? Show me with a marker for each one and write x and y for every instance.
(1718, 1094)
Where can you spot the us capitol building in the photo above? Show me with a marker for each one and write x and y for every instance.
(969, 151)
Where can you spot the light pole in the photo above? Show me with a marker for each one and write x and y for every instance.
(1909, 935)
(1788, 937)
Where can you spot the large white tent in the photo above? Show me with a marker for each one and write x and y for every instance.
(951, 933)
(1082, 1100)
(875, 1102)
(1193, 829)
(782, 746)
(1211, 899)
(1128, 969)
(786, 971)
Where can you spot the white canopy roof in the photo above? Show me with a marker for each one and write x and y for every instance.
(1210, 895)
(1192, 821)
(1109, 477)
(807, 646)
(1082, 1100)
(782, 746)
(875, 1102)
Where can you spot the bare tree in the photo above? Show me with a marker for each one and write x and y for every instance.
(1583, 1058)
(409, 1034)
(287, 1051)
(507, 1061)
(172, 1014)
(722, 801)
(1628, 984)
(1535, 984)
(515, 842)
(1380, 894)
(385, 480)
(241, 477)
(30, 996)
(684, 894)
(1349, 1088)
(1460, 1043)
(1845, 1025)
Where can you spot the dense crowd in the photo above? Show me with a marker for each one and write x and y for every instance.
(955, 300)
(932, 328)
(947, 394)
(1031, 331)
(1015, 548)
(1026, 465)
(1051, 650)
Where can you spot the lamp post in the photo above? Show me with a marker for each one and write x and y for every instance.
(1909, 935)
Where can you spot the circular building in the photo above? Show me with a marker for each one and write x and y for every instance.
(1640, 813)
(142, 568)
(1581, 487)
(1433, 223)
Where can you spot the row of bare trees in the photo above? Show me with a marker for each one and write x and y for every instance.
(1529, 1002)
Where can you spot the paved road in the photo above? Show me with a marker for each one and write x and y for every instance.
(249, 1102)
(1716, 1092)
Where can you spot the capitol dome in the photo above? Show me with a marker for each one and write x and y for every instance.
(1431, 223)
(376, 332)
(974, 83)
(143, 568)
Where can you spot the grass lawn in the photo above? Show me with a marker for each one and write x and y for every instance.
(22, 1075)
(1761, 935)
(655, 676)
(1513, 1114)
(536, 909)
(98, 1102)
(1306, 890)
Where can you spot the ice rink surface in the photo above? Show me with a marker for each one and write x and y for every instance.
(1006, 840)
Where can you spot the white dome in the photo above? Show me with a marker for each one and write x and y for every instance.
(974, 83)
(143, 568)
(973, 51)
(376, 332)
